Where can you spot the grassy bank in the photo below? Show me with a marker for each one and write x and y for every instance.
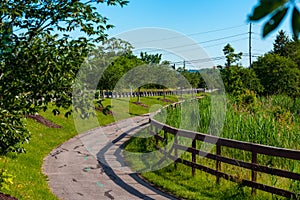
(29, 182)
(271, 121)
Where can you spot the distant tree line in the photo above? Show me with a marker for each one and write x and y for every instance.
(276, 72)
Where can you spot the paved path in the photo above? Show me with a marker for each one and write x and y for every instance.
(90, 166)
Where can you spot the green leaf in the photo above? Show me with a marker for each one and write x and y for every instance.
(274, 21)
(109, 26)
(55, 112)
(266, 7)
(67, 114)
(296, 22)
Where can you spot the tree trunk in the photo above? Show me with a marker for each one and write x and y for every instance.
(139, 94)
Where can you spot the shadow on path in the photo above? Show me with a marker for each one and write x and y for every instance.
(117, 179)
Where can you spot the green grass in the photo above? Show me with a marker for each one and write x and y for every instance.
(270, 121)
(179, 181)
(29, 182)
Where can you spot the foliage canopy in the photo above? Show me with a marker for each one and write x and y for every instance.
(39, 58)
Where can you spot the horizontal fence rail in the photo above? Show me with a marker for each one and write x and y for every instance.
(115, 94)
(254, 149)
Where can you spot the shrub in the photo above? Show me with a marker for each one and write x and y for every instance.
(13, 132)
(248, 101)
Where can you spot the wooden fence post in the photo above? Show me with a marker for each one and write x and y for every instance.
(194, 157)
(253, 172)
(165, 138)
(175, 150)
(156, 139)
(218, 163)
(150, 128)
(165, 141)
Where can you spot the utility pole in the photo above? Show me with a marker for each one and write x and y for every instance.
(250, 45)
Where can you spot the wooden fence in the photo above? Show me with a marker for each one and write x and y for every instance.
(115, 94)
(254, 149)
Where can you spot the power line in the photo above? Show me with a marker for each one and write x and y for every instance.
(207, 59)
(192, 34)
(205, 47)
(245, 38)
(254, 33)
(259, 50)
(203, 60)
(208, 41)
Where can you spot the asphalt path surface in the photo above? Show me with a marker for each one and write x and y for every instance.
(90, 166)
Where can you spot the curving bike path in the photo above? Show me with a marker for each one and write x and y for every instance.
(90, 166)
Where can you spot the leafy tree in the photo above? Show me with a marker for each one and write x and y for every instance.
(278, 75)
(281, 43)
(166, 77)
(39, 59)
(286, 47)
(118, 68)
(194, 78)
(250, 80)
(232, 80)
(102, 58)
(294, 51)
(237, 80)
(275, 11)
(231, 57)
(150, 58)
(166, 62)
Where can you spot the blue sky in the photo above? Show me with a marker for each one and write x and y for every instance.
(205, 21)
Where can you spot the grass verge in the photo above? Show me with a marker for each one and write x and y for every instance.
(29, 181)
(180, 182)
(271, 121)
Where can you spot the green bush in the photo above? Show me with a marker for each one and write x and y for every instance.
(247, 101)
(238, 79)
(13, 132)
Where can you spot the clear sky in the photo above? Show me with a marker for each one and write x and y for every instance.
(211, 23)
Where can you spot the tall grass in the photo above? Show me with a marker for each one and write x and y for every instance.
(270, 121)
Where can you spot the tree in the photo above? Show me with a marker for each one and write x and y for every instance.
(194, 78)
(239, 79)
(250, 80)
(231, 57)
(281, 43)
(150, 58)
(232, 80)
(39, 59)
(102, 59)
(118, 68)
(278, 75)
(275, 11)
(166, 77)
(293, 49)
(286, 47)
